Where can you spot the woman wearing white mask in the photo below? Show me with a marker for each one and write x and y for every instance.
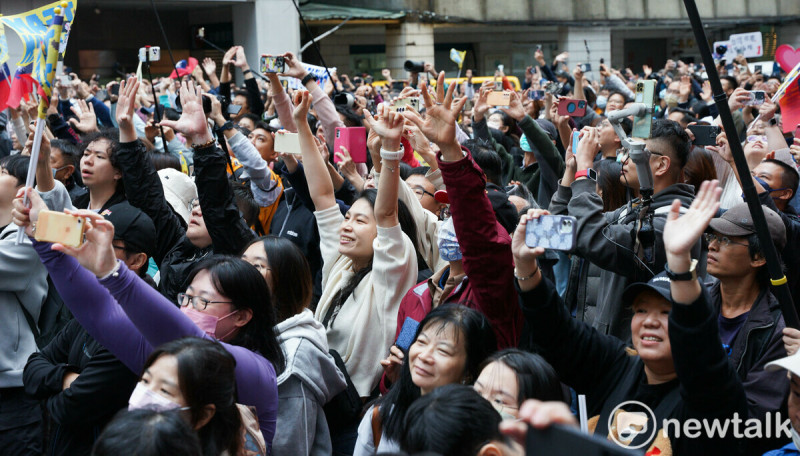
(196, 377)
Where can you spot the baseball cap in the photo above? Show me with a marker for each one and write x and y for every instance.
(790, 363)
(179, 191)
(659, 283)
(132, 226)
(737, 221)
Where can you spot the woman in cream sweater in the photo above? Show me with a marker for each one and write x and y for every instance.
(369, 260)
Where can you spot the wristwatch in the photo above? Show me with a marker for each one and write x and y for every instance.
(691, 274)
(247, 71)
(588, 173)
(226, 126)
(308, 77)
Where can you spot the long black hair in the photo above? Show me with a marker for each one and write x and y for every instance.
(206, 375)
(479, 341)
(156, 433)
(241, 282)
(536, 378)
(291, 286)
(408, 226)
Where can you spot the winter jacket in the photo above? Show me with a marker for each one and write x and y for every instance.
(758, 342)
(791, 220)
(486, 250)
(599, 367)
(175, 254)
(607, 240)
(23, 282)
(80, 412)
(309, 381)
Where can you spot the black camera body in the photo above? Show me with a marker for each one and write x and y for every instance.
(413, 66)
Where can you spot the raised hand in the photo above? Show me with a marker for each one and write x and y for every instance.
(681, 232)
(393, 363)
(229, 56)
(294, 68)
(524, 256)
(192, 122)
(125, 105)
(767, 110)
(24, 216)
(685, 88)
(588, 147)
(209, 66)
(540, 415)
(388, 125)
(302, 102)
(241, 59)
(439, 124)
(97, 252)
(515, 109)
(87, 120)
(722, 148)
(738, 98)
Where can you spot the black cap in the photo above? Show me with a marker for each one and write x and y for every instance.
(133, 227)
(659, 283)
(737, 221)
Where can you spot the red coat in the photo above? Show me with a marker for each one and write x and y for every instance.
(486, 250)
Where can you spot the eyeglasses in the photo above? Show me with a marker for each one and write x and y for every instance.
(759, 138)
(195, 203)
(723, 240)
(197, 302)
(421, 192)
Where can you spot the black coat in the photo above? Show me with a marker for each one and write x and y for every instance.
(599, 366)
(175, 254)
(78, 413)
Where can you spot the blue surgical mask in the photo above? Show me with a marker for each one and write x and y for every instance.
(601, 102)
(449, 249)
(55, 170)
(662, 94)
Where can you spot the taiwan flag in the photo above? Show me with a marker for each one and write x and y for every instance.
(183, 68)
(21, 86)
(5, 85)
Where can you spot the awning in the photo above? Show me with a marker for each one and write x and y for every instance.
(322, 13)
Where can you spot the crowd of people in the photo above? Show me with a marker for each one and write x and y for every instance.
(229, 298)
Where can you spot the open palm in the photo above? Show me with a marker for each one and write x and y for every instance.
(681, 232)
(192, 122)
(439, 124)
(388, 125)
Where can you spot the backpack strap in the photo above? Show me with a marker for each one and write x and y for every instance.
(376, 427)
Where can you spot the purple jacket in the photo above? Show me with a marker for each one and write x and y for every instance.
(130, 318)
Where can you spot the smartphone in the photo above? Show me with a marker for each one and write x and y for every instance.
(536, 94)
(757, 98)
(797, 132)
(576, 136)
(499, 98)
(150, 53)
(558, 440)
(586, 67)
(407, 333)
(602, 60)
(287, 142)
(65, 80)
(704, 135)
(400, 105)
(233, 109)
(645, 93)
(114, 90)
(164, 100)
(354, 139)
(538, 47)
(757, 68)
(571, 107)
(557, 232)
(60, 227)
(729, 67)
(272, 64)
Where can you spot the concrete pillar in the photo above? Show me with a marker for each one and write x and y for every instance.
(597, 38)
(408, 41)
(266, 27)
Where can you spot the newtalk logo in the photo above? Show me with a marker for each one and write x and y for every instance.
(635, 418)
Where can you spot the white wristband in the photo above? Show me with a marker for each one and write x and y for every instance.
(389, 155)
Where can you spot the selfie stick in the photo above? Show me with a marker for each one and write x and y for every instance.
(778, 279)
(645, 234)
(156, 115)
(44, 102)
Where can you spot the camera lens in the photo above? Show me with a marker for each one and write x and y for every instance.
(571, 107)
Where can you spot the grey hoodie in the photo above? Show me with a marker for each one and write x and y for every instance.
(309, 381)
(23, 279)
